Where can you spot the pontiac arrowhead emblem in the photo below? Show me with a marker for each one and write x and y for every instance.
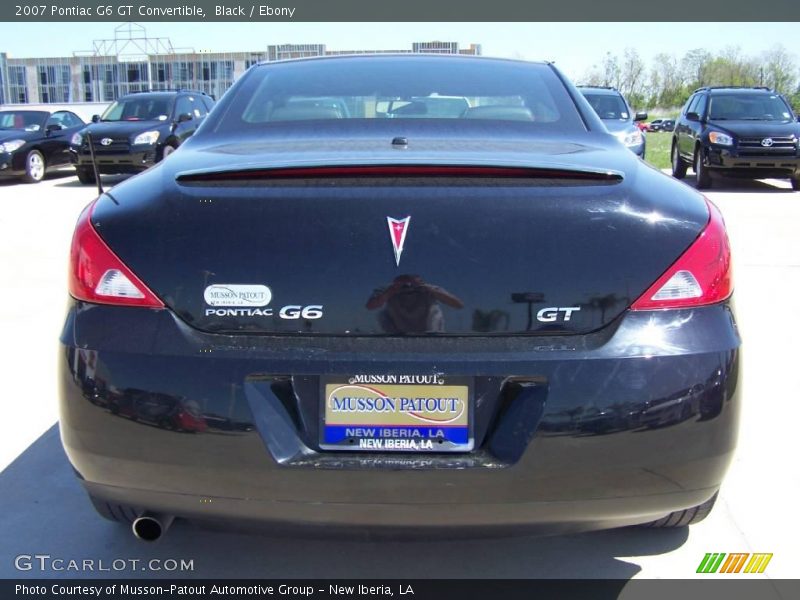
(398, 228)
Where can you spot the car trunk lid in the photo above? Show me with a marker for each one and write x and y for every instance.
(521, 244)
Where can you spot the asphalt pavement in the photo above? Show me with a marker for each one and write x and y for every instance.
(44, 511)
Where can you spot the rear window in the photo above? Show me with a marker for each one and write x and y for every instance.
(401, 88)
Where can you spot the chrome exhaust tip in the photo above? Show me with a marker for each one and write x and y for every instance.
(149, 527)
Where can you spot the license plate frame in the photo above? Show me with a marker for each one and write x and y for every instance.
(386, 435)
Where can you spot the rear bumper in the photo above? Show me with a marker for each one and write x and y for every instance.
(113, 164)
(615, 428)
(396, 516)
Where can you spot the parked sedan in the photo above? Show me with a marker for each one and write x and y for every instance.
(668, 125)
(661, 125)
(618, 117)
(33, 141)
(427, 322)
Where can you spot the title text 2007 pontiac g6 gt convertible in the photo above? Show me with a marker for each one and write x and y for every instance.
(394, 291)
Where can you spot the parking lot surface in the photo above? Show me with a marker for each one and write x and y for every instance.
(43, 509)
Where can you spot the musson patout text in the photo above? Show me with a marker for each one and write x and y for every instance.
(97, 591)
(249, 11)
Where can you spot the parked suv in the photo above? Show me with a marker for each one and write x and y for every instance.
(137, 131)
(617, 116)
(740, 132)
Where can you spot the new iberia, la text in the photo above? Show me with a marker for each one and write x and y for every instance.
(284, 590)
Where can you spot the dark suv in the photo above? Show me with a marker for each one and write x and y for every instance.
(740, 132)
(137, 131)
(611, 106)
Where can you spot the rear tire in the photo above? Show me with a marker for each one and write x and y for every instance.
(679, 167)
(703, 176)
(35, 167)
(86, 176)
(682, 518)
(119, 513)
(796, 183)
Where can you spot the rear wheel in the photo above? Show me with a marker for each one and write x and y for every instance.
(86, 176)
(703, 176)
(796, 183)
(34, 167)
(682, 518)
(678, 165)
(121, 513)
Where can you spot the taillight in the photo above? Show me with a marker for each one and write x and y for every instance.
(98, 275)
(702, 275)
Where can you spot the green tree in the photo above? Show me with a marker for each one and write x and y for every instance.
(695, 67)
(778, 70)
(671, 90)
(731, 68)
(632, 77)
(612, 73)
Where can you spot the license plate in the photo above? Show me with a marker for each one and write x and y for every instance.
(396, 413)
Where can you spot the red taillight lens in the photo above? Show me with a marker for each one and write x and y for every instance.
(702, 275)
(98, 275)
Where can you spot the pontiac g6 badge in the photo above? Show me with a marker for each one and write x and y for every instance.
(398, 228)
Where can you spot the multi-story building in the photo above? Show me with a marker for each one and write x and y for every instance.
(132, 62)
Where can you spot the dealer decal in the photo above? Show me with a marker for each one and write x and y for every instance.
(250, 300)
(234, 294)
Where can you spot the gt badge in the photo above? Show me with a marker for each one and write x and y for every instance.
(398, 228)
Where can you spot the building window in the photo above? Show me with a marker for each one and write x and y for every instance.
(136, 78)
(100, 82)
(436, 47)
(17, 84)
(54, 83)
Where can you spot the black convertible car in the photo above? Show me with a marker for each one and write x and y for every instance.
(463, 320)
(33, 141)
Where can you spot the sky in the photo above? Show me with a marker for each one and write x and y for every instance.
(575, 47)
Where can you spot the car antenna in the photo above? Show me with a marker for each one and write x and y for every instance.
(94, 163)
